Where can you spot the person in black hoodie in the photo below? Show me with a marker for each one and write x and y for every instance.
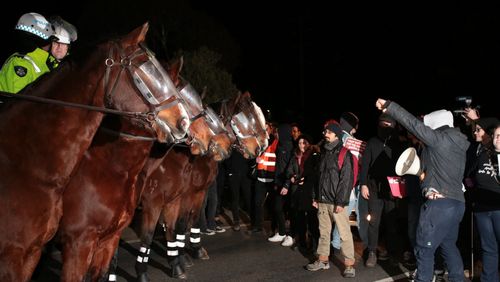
(378, 162)
(283, 155)
(443, 168)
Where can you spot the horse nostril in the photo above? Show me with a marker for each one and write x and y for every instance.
(184, 124)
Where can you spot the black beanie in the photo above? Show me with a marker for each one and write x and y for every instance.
(487, 124)
(348, 121)
(334, 127)
(387, 118)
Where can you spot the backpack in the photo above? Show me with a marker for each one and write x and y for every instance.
(355, 164)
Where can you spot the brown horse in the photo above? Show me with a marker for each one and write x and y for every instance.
(177, 192)
(101, 197)
(39, 152)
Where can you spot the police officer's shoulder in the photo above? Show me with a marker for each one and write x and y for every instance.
(20, 66)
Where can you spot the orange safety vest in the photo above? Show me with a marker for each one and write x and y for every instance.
(266, 162)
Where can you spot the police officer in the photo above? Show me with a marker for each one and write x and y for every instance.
(64, 35)
(24, 67)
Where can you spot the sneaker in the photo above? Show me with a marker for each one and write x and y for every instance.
(256, 230)
(276, 238)
(236, 227)
(317, 265)
(383, 255)
(219, 229)
(208, 232)
(372, 259)
(349, 272)
(287, 242)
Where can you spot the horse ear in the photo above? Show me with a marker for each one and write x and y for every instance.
(174, 69)
(137, 36)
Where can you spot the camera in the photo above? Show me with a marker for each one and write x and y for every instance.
(461, 100)
(465, 99)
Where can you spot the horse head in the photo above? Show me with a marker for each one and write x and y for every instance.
(160, 100)
(246, 120)
(207, 134)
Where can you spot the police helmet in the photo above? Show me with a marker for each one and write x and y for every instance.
(36, 24)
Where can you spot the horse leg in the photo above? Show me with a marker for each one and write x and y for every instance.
(173, 258)
(30, 264)
(77, 255)
(150, 217)
(197, 250)
(101, 266)
(180, 231)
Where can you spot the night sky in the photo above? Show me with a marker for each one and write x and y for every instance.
(307, 62)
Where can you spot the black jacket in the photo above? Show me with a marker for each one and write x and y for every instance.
(335, 187)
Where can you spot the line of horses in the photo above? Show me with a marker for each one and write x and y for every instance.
(79, 175)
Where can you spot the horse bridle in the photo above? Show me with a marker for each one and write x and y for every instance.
(148, 117)
(226, 117)
(126, 62)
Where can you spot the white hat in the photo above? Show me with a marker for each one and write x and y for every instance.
(63, 31)
(439, 118)
(36, 24)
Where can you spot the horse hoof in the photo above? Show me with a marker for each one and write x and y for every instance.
(186, 262)
(178, 272)
(201, 253)
(143, 277)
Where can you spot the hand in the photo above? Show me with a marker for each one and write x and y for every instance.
(315, 204)
(292, 179)
(283, 191)
(339, 209)
(471, 114)
(365, 192)
(380, 104)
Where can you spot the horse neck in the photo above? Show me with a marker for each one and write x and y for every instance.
(57, 135)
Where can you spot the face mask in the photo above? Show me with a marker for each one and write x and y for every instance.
(384, 132)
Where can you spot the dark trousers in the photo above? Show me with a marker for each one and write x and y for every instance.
(383, 209)
(221, 183)
(261, 190)
(239, 183)
(488, 226)
(278, 211)
(307, 221)
(209, 208)
(438, 227)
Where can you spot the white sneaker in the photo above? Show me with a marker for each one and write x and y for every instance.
(276, 238)
(288, 242)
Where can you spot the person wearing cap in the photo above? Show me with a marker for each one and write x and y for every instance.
(64, 35)
(443, 164)
(30, 62)
(332, 198)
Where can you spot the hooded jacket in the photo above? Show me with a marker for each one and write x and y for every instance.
(334, 186)
(284, 152)
(444, 154)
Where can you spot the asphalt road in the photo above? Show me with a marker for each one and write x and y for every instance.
(238, 256)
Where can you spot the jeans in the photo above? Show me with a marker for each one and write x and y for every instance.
(488, 226)
(438, 227)
(209, 208)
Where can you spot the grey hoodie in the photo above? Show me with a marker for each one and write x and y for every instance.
(444, 154)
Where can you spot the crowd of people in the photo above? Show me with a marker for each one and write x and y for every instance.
(314, 187)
